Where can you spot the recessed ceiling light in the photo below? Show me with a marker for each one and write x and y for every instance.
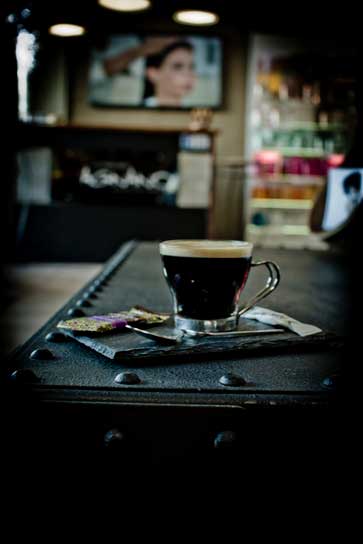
(125, 5)
(193, 17)
(66, 30)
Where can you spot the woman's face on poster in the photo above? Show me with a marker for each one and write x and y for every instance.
(175, 77)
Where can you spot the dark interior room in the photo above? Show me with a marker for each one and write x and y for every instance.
(159, 157)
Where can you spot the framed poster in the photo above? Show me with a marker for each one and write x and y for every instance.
(344, 193)
(175, 72)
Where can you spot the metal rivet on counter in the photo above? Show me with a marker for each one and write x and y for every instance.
(331, 382)
(91, 288)
(99, 289)
(83, 303)
(56, 337)
(113, 437)
(225, 439)
(127, 378)
(24, 375)
(76, 312)
(41, 354)
(232, 380)
(89, 294)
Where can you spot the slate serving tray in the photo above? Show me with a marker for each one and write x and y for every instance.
(127, 345)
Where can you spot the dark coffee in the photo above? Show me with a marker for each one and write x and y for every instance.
(206, 284)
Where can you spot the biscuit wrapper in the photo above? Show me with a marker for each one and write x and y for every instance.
(101, 324)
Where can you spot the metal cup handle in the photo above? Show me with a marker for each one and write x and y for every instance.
(271, 284)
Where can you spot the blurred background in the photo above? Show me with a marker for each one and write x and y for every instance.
(81, 176)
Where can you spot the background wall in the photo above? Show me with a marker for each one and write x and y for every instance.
(229, 121)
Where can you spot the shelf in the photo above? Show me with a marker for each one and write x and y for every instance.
(116, 128)
(281, 203)
(295, 179)
(287, 230)
(310, 152)
(307, 125)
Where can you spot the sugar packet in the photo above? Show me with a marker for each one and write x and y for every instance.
(270, 317)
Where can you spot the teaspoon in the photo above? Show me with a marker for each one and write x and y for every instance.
(229, 334)
(178, 337)
(157, 337)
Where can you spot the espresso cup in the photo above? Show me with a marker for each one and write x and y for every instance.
(206, 278)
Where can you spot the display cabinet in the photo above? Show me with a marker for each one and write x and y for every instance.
(300, 121)
(78, 182)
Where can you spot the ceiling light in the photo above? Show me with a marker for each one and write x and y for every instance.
(125, 5)
(193, 17)
(66, 30)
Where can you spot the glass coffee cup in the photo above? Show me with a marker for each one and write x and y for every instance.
(206, 278)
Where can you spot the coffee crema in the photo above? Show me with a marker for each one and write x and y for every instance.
(213, 249)
(206, 276)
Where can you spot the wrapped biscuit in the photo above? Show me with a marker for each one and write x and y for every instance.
(100, 324)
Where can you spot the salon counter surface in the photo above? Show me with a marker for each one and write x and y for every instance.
(75, 387)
